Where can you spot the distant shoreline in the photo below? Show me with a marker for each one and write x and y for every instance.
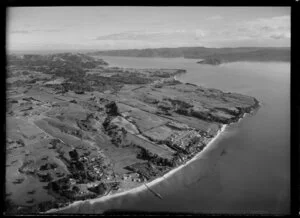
(204, 55)
(211, 56)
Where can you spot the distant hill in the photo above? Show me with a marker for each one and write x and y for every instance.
(220, 54)
(65, 60)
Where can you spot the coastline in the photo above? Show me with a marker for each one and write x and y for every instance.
(191, 172)
(76, 204)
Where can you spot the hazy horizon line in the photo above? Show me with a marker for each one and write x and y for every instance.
(100, 50)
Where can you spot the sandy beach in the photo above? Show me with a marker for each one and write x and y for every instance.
(75, 206)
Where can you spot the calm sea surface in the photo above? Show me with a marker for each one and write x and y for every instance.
(247, 170)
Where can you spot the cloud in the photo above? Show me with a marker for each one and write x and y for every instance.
(162, 35)
(34, 30)
(49, 30)
(140, 35)
(275, 27)
(258, 29)
(19, 32)
(280, 35)
(216, 17)
(141, 44)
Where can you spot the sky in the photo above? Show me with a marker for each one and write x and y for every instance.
(107, 28)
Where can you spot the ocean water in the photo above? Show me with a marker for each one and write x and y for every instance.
(247, 169)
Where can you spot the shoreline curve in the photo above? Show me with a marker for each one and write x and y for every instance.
(76, 204)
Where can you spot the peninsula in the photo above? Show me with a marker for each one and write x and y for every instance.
(79, 129)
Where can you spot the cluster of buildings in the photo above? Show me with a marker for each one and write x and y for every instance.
(94, 166)
(182, 140)
(133, 177)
